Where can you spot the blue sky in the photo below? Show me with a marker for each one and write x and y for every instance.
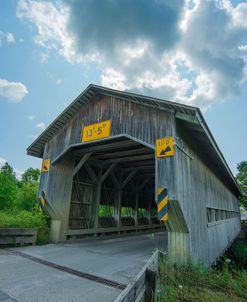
(194, 52)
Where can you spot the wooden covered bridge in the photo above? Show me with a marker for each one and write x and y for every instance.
(117, 162)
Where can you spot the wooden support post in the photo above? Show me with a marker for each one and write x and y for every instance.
(108, 172)
(118, 206)
(149, 207)
(136, 207)
(118, 199)
(59, 196)
(128, 178)
(96, 199)
(81, 163)
(91, 172)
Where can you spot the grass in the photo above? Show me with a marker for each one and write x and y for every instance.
(225, 282)
(26, 219)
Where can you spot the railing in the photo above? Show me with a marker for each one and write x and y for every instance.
(17, 236)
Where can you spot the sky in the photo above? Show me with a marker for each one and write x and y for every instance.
(193, 52)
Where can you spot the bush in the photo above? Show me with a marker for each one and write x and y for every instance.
(197, 283)
(25, 219)
(238, 253)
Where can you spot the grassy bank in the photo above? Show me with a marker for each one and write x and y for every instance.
(225, 282)
(25, 219)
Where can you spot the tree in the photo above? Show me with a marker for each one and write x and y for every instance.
(27, 196)
(8, 187)
(242, 181)
(30, 175)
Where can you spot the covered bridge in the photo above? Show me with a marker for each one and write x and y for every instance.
(116, 162)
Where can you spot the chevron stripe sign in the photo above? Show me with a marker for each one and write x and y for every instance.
(162, 204)
(42, 198)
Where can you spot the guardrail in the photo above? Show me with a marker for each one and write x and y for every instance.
(142, 288)
(17, 236)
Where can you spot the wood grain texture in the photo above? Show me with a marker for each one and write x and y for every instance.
(199, 187)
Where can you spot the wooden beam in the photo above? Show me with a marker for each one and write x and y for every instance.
(128, 178)
(113, 229)
(139, 188)
(96, 200)
(108, 172)
(101, 147)
(132, 158)
(136, 208)
(81, 163)
(91, 172)
(114, 179)
(118, 206)
(124, 153)
(97, 163)
(187, 118)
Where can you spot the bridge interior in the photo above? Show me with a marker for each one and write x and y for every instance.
(113, 188)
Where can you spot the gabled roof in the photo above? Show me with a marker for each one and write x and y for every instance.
(189, 115)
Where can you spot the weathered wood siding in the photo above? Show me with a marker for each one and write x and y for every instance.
(198, 187)
(139, 121)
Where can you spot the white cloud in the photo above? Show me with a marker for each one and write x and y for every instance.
(7, 36)
(31, 117)
(2, 162)
(44, 57)
(10, 37)
(18, 173)
(33, 137)
(12, 91)
(191, 51)
(41, 125)
(58, 81)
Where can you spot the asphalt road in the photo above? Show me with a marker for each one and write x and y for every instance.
(117, 260)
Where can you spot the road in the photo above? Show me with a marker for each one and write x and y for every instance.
(118, 260)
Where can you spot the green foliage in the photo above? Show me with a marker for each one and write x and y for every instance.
(197, 283)
(8, 187)
(27, 196)
(25, 219)
(105, 211)
(19, 206)
(242, 181)
(126, 212)
(18, 195)
(238, 253)
(31, 175)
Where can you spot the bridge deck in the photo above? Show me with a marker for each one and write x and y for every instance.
(117, 260)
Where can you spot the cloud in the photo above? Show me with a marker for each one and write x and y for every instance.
(33, 137)
(10, 37)
(41, 125)
(31, 117)
(2, 162)
(7, 36)
(18, 173)
(190, 51)
(12, 91)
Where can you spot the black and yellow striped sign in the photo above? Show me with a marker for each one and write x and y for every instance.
(42, 198)
(162, 204)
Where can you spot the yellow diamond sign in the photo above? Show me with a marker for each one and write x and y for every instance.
(165, 147)
(45, 165)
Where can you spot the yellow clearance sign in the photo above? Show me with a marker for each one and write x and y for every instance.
(96, 131)
(45, 165)
(165, 147)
